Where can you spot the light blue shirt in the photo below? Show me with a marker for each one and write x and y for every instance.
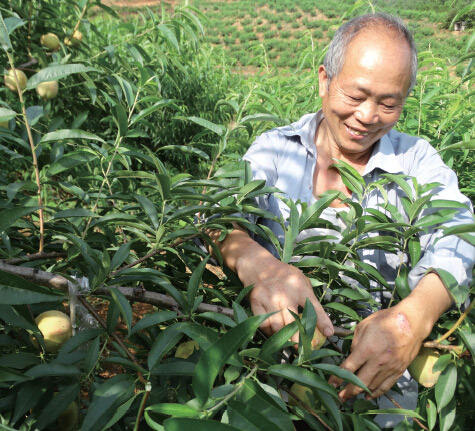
(285, 158)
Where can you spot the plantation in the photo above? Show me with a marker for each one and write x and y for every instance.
(121, 136)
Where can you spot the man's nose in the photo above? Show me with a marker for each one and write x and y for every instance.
(367, 112)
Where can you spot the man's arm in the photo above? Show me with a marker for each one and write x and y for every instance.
(386, 342)
(277, 285)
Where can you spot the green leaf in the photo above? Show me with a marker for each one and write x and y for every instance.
(344, 309)
(402, 412)
(215, 128)
(56, 72)
(184, 424)
(276, 342)
(245, 417)
(414, 247)
(153, 319)
(445, 386)
(74, 212)
(401, 182)
(52, 370)
(447, 416)
(342, 373)
(120, 118)
(6, 114)
(58, 404)
(10, 216)
(195, 280)
(149, 209)
(291, 231)
(92, 355)
(63, 134)
(169, 35)
(214, 358)
(105, 400)
(150, 110)
(314, 211)
(249, 188)
(175, 410)
(303, 376)
(431, 412)
(4, 35)
(124, 306)
(121, 411)
(121, 254)
(15, 290)
(164, 342)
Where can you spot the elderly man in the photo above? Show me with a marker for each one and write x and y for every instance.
(367, 74)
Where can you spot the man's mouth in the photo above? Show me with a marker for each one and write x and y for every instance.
(355, 132)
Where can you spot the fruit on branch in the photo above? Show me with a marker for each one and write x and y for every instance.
(318, 339)
(47, 90)
(50, 41)
(55, 327)
(421, 367)
(186, 349)
(68, 420)
(75, 40)
(10, 81)
(303, 393)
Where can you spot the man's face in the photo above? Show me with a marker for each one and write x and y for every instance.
(365, 100)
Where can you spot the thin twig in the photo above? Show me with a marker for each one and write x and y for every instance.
(135, 294)
(141, 409)
(456, 324)
(435, 345)
(309, 409)
(131, 356)
(417, 421)
(33, 151)
(35, 256)
(81, 16)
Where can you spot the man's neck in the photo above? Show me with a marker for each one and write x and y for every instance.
(328, 150)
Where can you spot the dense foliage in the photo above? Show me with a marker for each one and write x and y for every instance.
(116, 177)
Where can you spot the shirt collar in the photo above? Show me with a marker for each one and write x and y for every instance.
(383, 156)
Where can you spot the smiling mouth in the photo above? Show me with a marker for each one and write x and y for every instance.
(355, 132)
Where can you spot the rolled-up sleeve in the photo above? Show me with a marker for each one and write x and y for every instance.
(449, 253)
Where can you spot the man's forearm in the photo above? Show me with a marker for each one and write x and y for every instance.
(426, 303)
(243, 255)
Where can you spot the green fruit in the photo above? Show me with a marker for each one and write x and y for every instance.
(75, 40)
(50, 41)
(47, 90)
(55, 327)
(186, 349)
(421, 367)
(318, 339)
(68, 420)
(10, 81)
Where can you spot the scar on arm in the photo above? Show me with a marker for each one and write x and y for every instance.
(402, 322)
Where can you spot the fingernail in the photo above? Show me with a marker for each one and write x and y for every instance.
(328, 331)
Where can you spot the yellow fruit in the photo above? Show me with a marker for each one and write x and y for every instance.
(68, 420)
(75, 40)
(55, 327)
(421, 367)
(318, 339)
(47, 90)
(10, 81)
(50, 41)
(302, 393)
(186, 349)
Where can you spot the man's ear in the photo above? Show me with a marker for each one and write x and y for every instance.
(323, 81)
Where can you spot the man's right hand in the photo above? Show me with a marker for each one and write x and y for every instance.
(277, 286)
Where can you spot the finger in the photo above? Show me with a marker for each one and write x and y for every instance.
(384, 387)
(277, 321)
(351, 363)
(265, 326)
(367, 373)
(324, 323)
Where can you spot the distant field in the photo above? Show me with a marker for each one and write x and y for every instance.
(274, 34)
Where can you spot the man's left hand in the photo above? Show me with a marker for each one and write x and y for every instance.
(384, 344)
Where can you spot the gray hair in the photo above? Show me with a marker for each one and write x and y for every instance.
(335, 55)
